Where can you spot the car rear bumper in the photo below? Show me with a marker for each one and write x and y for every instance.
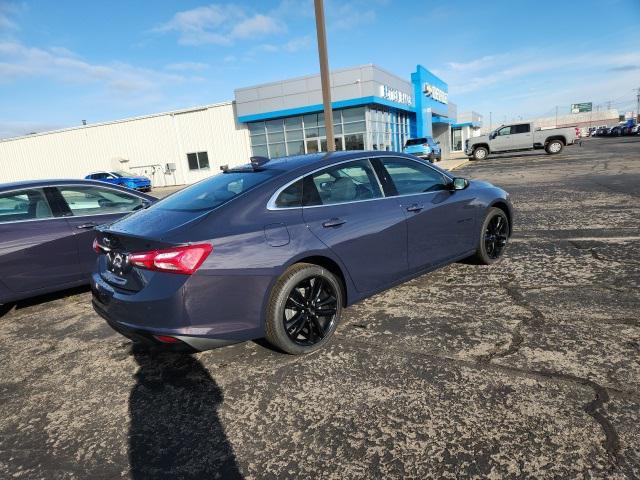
(197, 311)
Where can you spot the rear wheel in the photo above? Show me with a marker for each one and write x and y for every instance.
(480, 153)
(493, 237)
(304, 309)
(553, 147)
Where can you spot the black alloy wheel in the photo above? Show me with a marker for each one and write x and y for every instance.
(304, 309)
(310, 311)
(495, 236)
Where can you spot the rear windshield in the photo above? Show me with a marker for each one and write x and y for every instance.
(215, 191)
(416, 141)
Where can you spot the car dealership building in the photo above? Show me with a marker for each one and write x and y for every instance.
(372, 109)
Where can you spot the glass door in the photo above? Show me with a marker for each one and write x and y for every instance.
(313, 146)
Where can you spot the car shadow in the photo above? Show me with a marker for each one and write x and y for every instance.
(175, 431)
(40, 299)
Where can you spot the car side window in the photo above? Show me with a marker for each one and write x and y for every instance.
(410, 177)
(505, 131)
(345, 182)
(22, 205)
(522, 128)
(290, 196)
(98, 201)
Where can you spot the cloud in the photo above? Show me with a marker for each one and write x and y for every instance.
(187, 66)
(220, 24)
(527, 82)
(18, 61)
(7, 11)
(347, 15)
(625, 68)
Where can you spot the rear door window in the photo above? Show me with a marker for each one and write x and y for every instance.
(84, 201)
(410, 177)
(345, 182)
(290, 196)
(30, 204)
(522, 128)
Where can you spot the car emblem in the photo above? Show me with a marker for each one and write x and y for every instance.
(118, 262)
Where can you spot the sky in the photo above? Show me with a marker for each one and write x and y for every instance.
(65, 61)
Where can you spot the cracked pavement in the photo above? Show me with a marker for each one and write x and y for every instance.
(528, 368)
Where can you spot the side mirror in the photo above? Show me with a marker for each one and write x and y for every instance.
(459, 183)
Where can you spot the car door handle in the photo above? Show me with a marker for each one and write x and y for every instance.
(86, 226)
(415, 208)
(334, 222)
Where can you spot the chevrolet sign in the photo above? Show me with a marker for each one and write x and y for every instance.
(434, 92)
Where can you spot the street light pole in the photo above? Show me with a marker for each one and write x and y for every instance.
(325, 78)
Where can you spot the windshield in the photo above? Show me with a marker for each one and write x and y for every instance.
(215, 191)
(120, 173)
(416, 141)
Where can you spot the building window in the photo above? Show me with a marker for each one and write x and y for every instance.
(198, 161)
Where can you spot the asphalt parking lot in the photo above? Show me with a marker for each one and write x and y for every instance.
(528, 368)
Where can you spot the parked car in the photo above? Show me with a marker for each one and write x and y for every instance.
(615, 131)
(46, 230)
(520, 136)
(602, 132)
(424, 147)
(122, 178)
(278, 248)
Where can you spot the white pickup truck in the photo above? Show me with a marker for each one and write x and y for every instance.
(520, 136)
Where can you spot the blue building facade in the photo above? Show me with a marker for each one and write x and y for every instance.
(372, 108)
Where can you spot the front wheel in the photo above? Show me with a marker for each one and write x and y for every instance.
(304, 309)
(493, 237)
(480, 153)
(553, 147)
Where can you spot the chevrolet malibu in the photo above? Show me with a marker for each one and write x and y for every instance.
(278, 248)
(46, 230)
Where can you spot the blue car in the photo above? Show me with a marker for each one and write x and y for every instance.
(124, 179)
(278, 248)
(424, 147)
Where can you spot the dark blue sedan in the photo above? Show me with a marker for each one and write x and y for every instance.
(46, 232)
(278, 248)
(124, 179)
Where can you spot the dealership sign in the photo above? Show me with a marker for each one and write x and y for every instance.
(395, 95)
(436, 93)
(581, 107)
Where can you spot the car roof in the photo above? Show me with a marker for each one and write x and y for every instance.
(318, 159)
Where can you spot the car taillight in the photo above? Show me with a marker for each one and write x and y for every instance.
(173, 260)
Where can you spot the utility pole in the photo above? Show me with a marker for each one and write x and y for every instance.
(490, 124)
(556, 115)
(325, 77)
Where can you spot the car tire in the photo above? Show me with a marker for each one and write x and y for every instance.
(554, 147)
(480, 153)
(431, 158)
(485, 253)
(314, 330)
